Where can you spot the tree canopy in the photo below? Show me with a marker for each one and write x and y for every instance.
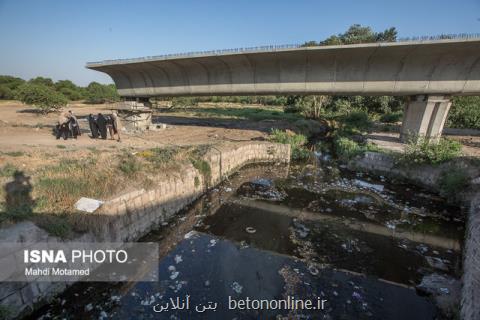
(41, 96)
(357, 34)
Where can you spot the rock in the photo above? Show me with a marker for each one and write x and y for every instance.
(436, 284)
(367, 185)
(87, 204)
(436, 263)
(260, 189)
(444, 290)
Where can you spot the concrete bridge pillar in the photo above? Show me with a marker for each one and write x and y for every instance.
(425, 116)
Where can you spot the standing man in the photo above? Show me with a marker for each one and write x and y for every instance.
(116, 126)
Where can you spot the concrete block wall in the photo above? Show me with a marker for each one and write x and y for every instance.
(470, 306)
(132, 215)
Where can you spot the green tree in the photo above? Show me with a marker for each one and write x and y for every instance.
(101, 93)
(69, 90)
(357, 34)
(465, 113)
(42, 81)
(8, 85)
(309, 106)
(40, 96)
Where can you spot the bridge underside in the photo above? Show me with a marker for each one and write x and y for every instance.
(431, 71)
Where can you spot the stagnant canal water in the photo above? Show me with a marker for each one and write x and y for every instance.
(313, 231)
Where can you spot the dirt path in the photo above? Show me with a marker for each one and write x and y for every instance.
(21, 127)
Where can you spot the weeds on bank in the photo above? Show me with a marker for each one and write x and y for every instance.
(7, 170)
(420, 150)
(347, 148)
(453, 182)
(296, 141)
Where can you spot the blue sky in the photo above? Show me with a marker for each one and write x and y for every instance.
(56, 38)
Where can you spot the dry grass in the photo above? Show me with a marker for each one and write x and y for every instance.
(100, 175)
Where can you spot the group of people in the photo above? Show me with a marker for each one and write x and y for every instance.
(68, 127)
(100, 124)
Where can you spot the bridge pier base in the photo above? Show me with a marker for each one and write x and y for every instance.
(424, 116)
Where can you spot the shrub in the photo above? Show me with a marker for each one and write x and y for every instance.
(159, 156)
(358, 119)
(296, 141)
(391, 117)
(422, 151)
(452, 182)
(346, 148)
(129, 165)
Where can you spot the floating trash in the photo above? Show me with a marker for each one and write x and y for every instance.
(313, 270)
(237, 287)
(250, 230)
(178, 259)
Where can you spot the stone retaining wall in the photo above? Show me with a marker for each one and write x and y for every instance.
(132, 215)
(421, 175)
(470, 308)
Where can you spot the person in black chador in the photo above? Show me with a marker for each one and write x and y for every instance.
(102, 126)
(92, 122)
(62, 126)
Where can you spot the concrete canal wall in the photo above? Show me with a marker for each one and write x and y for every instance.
(132, 215)
(470, 309)
(428, 176)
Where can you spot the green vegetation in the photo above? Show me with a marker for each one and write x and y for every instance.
(7, 170)
(357, 34)
(8, 86)
(100, 93)
(203, 167)
(254, 114)
(129, 164)
(391, 117)
(5, 312)
(296, 141)
(464, 113)
(14, 153)
(453, 182)
(46, 94)
(346, 148)
(422, 151)
(40, 96)
(159, 156)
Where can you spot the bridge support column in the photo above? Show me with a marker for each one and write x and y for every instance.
(424, 116)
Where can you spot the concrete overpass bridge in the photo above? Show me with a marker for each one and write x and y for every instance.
(429, 72)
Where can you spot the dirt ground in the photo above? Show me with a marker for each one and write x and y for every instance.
(24, 130)
(27, 140)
